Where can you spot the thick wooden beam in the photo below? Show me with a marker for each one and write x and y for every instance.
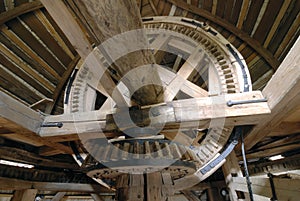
(20, 114)
(182, 113)
(19, 10)
(267, 55)
(15, 184)
(286, 189)
(232, 169)
(67, 23)
(282, 93)
(24, 195)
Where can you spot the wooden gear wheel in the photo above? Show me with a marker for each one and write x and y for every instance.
(209, 67)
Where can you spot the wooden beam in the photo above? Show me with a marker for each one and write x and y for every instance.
(278, 166)
(96, 197)
(181, 113)
(243, 14)
(58, 196)
(184, 72)
(19, 10)
(24, 195)
(187, 87)
(286, 189)
(60, 13)
(278, 19)
(15, 184)
(232, 169)
(15, 154)
(267, 55)
(20, 114)
(282, 93)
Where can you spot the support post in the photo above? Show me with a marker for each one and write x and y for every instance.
(24, 195)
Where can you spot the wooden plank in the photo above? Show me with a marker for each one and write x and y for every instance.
(60, 13)
(288, 29)
(27, 69)
(214, 7)
(282, 93)
(198, 56)
(254, 10)
(20, 114)
(15, 184)
(24, 195)
(43, 34)
(198, 111)
(236, 12)
(154, 186)
(18, 88)
(25, 34)
(70, 27)
(58, 196)
(243, 14)
(39, 64)
(267, 20)
(232, 169)
(286, 189)
(22, 9)
(277, 21)
(239, 33)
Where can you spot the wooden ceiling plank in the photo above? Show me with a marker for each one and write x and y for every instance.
(17, 11)
(24, 47)
(243, 14)
(15, 59)
(153, 7)
(282, 93)
(255, 9)
(290, 34)
(271, 152)
(41, 16)
(214, 7)
(268, 56)
(278, 19)
(28, 83)
(35, 43)
(36, 26)
(264, 24)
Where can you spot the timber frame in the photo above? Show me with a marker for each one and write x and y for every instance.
(48, 47)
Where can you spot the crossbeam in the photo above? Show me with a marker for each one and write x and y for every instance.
(183, 114)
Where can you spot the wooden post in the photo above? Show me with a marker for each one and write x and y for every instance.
(24, 195)
(232, 169)
(154, 186)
